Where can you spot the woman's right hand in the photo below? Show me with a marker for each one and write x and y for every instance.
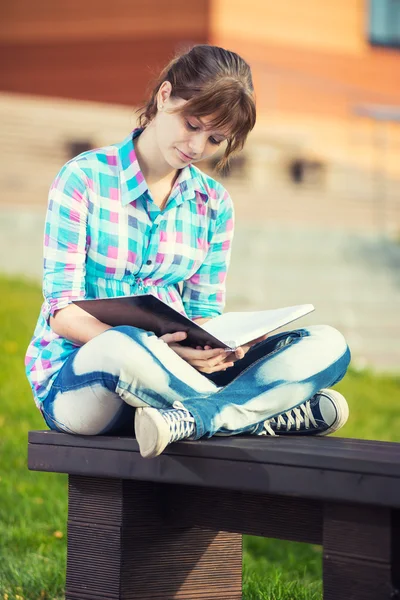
(209, 360)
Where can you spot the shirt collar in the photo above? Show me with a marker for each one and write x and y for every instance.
(132, 179)
(190, 179)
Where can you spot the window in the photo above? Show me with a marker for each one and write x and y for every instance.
(384, 22)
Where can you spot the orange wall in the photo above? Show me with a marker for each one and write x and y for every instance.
(310, 55)
(108, 54)
(45, 20)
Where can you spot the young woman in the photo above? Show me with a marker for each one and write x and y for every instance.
(139, 217)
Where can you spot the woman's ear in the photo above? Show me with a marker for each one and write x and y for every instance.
(163, 94)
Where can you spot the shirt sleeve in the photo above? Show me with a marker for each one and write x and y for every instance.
(65, 240)
(204, 293)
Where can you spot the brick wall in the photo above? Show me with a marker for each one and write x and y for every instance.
(105, 52)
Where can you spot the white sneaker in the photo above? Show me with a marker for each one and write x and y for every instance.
(155, 429)
(324, 413)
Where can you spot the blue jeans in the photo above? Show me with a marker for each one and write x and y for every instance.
(101, 383)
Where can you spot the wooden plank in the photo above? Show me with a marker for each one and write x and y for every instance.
(357, 553)
(318, 483)
(121, 545)
(280, 517)
(395, 550)
(361, 456)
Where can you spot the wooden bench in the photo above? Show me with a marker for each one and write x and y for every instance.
(171, 527)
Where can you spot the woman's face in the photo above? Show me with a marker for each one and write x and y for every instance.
(183, 140)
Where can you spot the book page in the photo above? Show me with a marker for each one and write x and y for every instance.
(237, 328)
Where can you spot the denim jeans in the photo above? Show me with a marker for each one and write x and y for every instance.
(101, 383)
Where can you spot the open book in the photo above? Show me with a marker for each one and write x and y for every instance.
(228, 331)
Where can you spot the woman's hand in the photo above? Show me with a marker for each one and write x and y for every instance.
(242, 350)
(239, 352)
(208, 360)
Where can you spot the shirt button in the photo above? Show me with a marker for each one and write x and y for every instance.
(148, 262)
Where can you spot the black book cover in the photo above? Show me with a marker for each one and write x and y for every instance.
(149, 313)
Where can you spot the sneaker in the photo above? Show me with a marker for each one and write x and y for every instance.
(325, 413)
(155, 429)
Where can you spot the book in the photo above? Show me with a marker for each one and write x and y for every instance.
(228, 331)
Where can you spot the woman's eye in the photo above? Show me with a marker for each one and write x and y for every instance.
(191, 127)
(215, 142)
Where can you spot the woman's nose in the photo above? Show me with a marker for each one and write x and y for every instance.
(197, 144)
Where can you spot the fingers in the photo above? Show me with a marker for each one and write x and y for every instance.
(207, 368)
(235, 355)
(199, 354)
(205, 361)
(170, 338)
(220, 362)
(239, 353)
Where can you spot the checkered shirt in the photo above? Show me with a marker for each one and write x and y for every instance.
(105, 237)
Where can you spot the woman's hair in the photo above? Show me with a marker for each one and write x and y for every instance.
(215, 82)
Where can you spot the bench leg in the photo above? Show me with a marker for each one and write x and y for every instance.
(361, 553)
(122, 545)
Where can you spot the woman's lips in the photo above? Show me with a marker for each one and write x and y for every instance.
(184, 156)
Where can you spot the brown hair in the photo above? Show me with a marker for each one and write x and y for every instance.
(214, 81)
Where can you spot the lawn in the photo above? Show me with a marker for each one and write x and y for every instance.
(33, 505)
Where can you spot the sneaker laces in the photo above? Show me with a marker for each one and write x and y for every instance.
(294, 417)
(180, 421)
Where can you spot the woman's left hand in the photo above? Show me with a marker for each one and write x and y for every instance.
(240, 352)
(246, 347)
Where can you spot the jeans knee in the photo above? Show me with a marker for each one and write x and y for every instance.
(89, 410)
(331, 339)
(110, 351)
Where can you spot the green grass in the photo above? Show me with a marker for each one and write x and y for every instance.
(33, 506)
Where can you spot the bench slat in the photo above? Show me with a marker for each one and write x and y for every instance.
(358, 456)
(290, 480)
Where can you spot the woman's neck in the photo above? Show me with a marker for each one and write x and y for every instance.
(152, 164)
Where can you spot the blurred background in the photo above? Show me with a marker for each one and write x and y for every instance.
(316, 189)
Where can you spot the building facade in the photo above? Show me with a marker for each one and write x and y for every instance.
(326, 75)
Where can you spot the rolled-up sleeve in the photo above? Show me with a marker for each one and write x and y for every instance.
(65, 240)
(204, 293)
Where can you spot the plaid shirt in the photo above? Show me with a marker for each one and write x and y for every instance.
(105, 237)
